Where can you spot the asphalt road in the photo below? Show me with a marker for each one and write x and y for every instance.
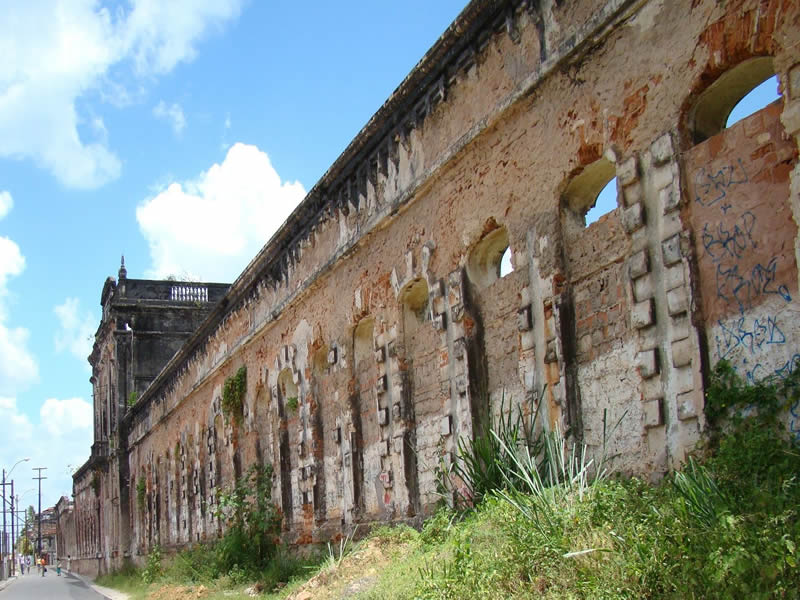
(50, 587)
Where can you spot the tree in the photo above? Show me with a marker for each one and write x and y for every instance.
(24, 546)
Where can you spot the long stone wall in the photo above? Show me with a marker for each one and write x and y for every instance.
(375, 327)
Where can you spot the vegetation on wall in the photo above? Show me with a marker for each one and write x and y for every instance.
(141, 491)
(535, 518)
(233, 394)
(132, 398)
(292, 403)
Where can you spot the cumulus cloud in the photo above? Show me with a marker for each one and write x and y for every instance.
(58, 54)
(62, 417)
(17, 366)
(76, 331)
(172, 114)
(210, 227)
(60, 441)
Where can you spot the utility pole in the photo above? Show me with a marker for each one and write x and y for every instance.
(39, 479)
(3, 541)
(13, 550)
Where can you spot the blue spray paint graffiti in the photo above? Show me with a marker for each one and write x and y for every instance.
(711, 187)
(744, 288)
(749, 336)
(720, 242)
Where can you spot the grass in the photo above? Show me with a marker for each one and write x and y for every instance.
(551, 524)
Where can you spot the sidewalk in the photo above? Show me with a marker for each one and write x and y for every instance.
(103, 591)
(7, 582)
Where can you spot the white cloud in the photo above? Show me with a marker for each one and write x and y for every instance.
(212, 226)
(59, 440)
(6, 203)
(62, 417)
(173, 114)
(17, 365)
(76, 332)
(59, 52)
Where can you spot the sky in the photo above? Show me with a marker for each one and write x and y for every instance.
(180, 134)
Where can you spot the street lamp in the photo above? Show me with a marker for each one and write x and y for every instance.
(3, 549)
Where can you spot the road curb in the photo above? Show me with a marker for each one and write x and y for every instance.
(105, 592)
(7, 582)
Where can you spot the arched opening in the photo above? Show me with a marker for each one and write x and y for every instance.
(319, 364)
(362, 342)
(506, 263)
(414, 302)
(711, 111)
(485, 262)
(759, 97)
(591, 194)
(287, 390)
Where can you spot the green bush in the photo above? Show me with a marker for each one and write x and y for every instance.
(233, 393)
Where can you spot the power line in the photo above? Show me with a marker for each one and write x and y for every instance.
(39, 478)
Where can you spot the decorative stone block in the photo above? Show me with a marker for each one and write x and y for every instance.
(633, 218)
(380, 355)
(440, 321)
(333, 355)
(627, 171)
(397, 411)
(308, 498)
(459, 348)
(670, 198)
(653, 413)
(461, 384)
(398, 444)
(671, 249)
(524, 318)
(457, 312)
(386, 479)
(686, 407)
(383, 383)
(383, 416)
(639, 264)
(647, 363)
(384, 447)
(446, 425)
(336, 435)
(677, 301)
(674, 277)
(550, 355)
(661, 149)
(643, 314)
(643, 288)
(632, 194)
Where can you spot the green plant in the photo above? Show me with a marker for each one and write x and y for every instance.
(141, 491)
(152, 570)
(132, 398)
(292, 403)
(233, 393)
(487, 463)
(252, 522)
(729, 397)
(96, 482)
(334, 559)
(702, 498)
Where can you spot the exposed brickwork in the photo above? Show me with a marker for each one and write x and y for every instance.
(375, 329)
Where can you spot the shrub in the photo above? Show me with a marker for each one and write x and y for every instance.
(233, 393)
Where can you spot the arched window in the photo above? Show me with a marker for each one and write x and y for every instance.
(592, 193)
(713, 107)
(759, 97)
(485, 262)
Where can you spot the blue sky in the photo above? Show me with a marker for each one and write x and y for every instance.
(179, 133)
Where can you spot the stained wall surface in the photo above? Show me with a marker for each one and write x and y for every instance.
(375, 328)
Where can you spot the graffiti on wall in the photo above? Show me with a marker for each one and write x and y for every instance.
(745, 240)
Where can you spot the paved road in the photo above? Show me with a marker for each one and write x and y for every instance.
(50, 587)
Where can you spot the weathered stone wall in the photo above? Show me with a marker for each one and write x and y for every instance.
(375, 328)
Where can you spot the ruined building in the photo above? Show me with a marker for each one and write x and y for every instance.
(374, 329)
